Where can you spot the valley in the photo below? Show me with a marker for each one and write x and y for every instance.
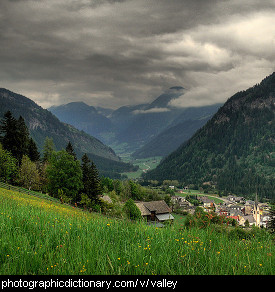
(137, 143)
(208, 198)
(144, 165)
(144, 130)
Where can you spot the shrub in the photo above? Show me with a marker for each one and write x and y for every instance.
(131, 210)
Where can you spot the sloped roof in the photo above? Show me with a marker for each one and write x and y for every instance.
(143, 210)
(164, 217)
(159, 207)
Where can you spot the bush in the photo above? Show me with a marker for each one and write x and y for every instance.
(131, 210)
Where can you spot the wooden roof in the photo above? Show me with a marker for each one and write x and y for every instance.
(159, 207)
(143, 210)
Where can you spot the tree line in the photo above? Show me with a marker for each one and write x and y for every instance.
(61, 174)
(58, 173)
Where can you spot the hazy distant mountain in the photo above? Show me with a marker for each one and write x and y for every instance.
(170, 139)
(146, 122)
(234, 150)
(41, 123)
(180, 130)
(164, 99)
(83, 117)
(134, 126)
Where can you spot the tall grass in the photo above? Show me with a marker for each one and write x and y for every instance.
(42, 237)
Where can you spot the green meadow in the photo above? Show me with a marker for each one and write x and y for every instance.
(43, 237)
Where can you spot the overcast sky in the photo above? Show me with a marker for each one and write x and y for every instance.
(113, 53)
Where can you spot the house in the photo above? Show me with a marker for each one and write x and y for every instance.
(157, 211)
(235, 199)
(248, 218)
(236, 210)
(207, 202)
(106, 198)
(265, 221)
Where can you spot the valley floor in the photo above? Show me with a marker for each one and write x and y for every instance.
(144, 165)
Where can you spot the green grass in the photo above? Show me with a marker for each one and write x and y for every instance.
(144, 164)
(45, 237)
(214, 197)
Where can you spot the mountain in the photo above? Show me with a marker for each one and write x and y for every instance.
(41, 123)
(180, 130)
(164, 99)
(234, 151)
(83, 117)
(129, 128)
(169, 140)
(142, 124)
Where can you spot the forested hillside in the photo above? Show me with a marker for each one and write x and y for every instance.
(234, 151)
(41, 124)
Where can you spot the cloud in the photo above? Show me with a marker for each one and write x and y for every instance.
(151, 110)
(113, 53)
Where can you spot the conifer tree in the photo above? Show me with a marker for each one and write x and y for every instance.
(8, 129)
(70, 150)
(91, 181)
(16, 138)
(33, 153)
(22, 137)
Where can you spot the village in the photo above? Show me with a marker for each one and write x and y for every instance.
(246, 213)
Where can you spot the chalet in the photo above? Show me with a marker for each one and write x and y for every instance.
(207, 202)
(235, 199)
(236, 210)
(157, 211)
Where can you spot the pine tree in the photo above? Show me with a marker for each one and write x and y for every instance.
(8, 129)
(16, 138)
(70, 150)
(22, 137)
(91, 181)
(33, 153)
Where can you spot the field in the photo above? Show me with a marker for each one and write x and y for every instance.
(41, 237)
(144, 165)
(213, 197)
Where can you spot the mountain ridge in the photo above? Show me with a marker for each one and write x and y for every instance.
(234, 150)
(42, 123)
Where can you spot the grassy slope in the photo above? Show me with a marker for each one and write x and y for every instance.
(43, 237)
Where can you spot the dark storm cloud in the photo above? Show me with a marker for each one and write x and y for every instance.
(112, 53)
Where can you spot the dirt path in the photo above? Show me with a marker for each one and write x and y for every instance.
(148, 167)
